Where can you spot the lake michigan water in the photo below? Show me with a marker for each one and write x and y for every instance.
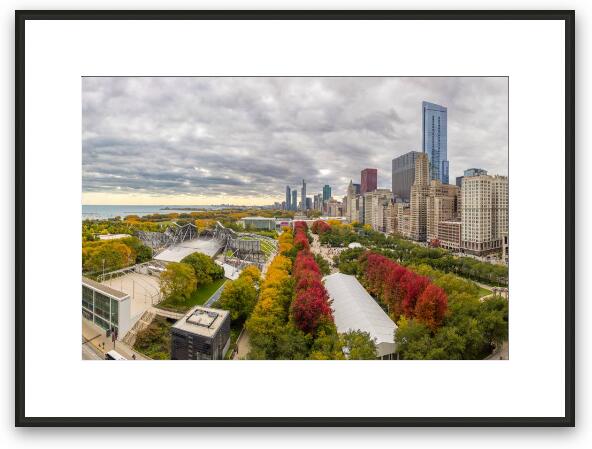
(110, 211)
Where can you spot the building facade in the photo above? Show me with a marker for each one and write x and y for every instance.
(352, 207)
(303, 196)
(326, 192)
(334, 208)
(442, 205)
(288, 198)
(369, 180)
(294, 203)
(419, 195)
(435, 139)
(484, 213)
(202, 334)
(403, 174)
(374, 208)
(106, 307)
(449, 235)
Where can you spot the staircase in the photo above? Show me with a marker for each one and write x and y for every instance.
(141, 324)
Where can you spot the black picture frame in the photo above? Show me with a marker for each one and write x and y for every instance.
(22, 420)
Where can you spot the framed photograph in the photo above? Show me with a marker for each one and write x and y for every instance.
(295, 218)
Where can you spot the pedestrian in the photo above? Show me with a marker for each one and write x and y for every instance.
(134, 356)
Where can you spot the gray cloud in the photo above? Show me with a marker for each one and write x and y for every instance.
(249, 137)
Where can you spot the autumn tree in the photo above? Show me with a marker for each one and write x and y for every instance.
(431, 307)
(239, 298)
(320, 227)
(178, 281)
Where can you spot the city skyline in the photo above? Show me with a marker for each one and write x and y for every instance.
(197, 141)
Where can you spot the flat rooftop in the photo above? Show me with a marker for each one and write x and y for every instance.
(97, 286)
(178, 252)
(202, 321)
(259, 218)
(113, 236)
(143, 289)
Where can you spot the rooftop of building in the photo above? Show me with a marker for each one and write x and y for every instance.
(202, 321)
(101, 288)
(258, 218)
(354, 309)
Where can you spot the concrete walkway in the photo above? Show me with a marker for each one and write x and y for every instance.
(96, 340)
(243, 347)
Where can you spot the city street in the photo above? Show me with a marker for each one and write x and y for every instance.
(88, 353)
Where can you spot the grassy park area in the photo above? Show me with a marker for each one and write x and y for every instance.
(197, 298)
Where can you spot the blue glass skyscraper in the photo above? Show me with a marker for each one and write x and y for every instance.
(435, 139)
(326, 192)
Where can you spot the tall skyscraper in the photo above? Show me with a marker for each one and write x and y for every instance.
(303, 195)
(294, 203)
(326, 192)
(404, 174)
(435, 139)
(288, 198)
(369, 180)
(419, 195)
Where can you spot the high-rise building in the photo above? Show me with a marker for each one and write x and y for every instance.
(403, 174)
(308, 203)
(484, 213)
(419, 195)
(475, 172)
(288, 198)
(303, 195)
(334, 208)
(442, 205)
(369, 180)
(294, 202)
(435, 139)
(318, 202)
(470, 172)
(326, 192)
(374, 208)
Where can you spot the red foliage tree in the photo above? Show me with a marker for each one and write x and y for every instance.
(394, 284)
(413, 285)
(300, 236)
(310, 306)
(320, 227)
(431, 306)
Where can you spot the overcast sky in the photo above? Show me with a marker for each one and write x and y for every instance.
(197, 141)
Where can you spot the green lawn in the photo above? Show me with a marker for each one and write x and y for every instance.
(484, 292)
(200, 296)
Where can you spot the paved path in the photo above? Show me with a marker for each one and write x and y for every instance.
(95, 340)
(167, 313)
(215, 296)
(326, 253)
(243, 346)
(502, 353)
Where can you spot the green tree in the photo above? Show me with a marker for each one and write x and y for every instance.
(359, 344)
(323, 264)
(178, 281)
(239, 298)
(204, 267)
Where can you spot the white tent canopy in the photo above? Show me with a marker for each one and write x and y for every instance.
(354, 309)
